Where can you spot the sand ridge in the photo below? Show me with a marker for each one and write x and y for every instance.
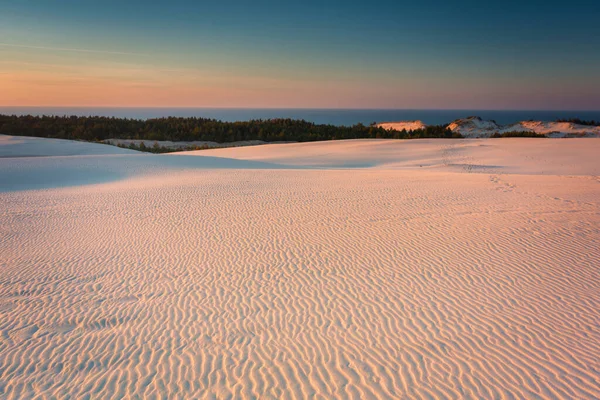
(314, 276)
(529, 156)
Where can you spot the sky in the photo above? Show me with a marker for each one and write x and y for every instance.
(428, 54)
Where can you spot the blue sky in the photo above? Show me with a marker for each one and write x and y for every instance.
(377, 54)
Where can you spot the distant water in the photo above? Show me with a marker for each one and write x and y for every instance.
(319, 116)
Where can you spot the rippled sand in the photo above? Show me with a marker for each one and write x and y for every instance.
(351, 269)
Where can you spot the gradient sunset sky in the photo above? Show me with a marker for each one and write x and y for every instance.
(333, 54)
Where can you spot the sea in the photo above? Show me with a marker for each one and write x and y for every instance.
(338, 117)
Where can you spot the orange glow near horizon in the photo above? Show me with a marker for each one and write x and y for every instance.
(65, 79)
(142, 87)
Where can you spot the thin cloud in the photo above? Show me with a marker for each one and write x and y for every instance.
(123, 53)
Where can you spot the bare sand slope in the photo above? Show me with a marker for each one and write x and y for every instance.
(214, 282)
(35, 163)
(508, 155)
(22, 146)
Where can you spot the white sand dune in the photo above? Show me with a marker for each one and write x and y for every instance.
(476, 127)
(352, 269)
(556, 129)
(403, 125)
(472, 127)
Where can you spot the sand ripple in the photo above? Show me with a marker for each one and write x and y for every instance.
(303, 284)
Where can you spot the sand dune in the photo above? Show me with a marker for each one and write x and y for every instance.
(403, 125)
(476, 127)
(21, 146)
(353, 269)
(509, 155)
(81, 163)
(557, 129)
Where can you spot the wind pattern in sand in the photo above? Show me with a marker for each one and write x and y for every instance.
(356, 269)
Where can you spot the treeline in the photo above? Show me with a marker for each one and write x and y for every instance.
(580, 121)
(518, 134)
(200, 129)
(158, 149)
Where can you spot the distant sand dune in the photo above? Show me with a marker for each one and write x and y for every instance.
(476, 127)
(352, 269)
(403, 125)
